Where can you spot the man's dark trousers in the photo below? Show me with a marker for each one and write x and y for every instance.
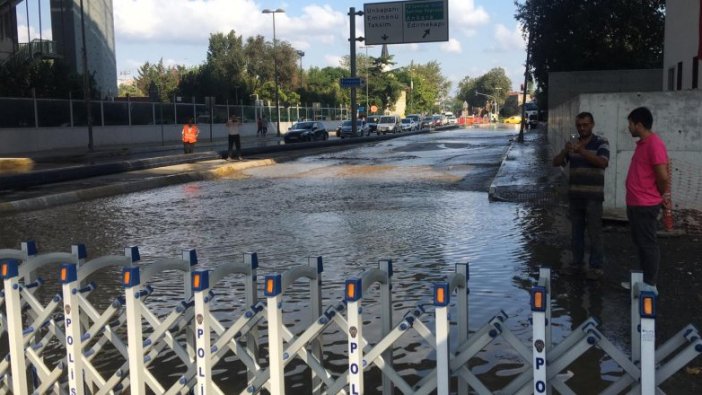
(234, 140)
(644, 224)
(586, 214)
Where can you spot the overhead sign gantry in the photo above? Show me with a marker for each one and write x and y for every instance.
(403, 22)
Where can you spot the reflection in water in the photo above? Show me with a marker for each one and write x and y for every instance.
(420, 201)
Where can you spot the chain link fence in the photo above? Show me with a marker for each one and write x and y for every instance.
(42, 112)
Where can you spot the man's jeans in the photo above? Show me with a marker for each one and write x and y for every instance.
(644, 224)
(586, 214)
(234, 140)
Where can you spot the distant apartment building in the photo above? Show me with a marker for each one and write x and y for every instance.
(66, 41)
(683, 45)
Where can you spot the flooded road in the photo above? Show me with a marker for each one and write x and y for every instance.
(418, 200)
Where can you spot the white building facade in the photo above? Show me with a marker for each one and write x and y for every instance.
(683, 45)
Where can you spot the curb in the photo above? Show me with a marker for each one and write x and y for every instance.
(50, 176)
(15, 165)
(492, 191)
(58, 199)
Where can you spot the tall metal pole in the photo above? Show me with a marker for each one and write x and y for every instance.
(367, 84)
(520, 138)
(86, 80)
(275, 65)
(352, 42)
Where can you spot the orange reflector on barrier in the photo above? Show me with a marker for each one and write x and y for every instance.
(196, 281)
(64, 273)
(270, 286)
(538, 300)
(127, 279)
(440, 295)
(4, 269)
(350, 291)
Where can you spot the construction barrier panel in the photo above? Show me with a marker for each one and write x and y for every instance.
(137, 331)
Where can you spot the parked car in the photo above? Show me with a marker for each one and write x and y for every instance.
(436, 120)
(372, 122)
(389, 124)
(451, 119)
(408, 125)
(306, 131)
(415, 117)
(514, 119)
(346, 130)
(426, 122)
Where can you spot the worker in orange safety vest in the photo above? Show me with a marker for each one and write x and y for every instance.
(190, 133)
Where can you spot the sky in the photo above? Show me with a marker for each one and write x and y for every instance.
(482, 33)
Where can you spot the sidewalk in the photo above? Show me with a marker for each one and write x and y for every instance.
(526, 174)
(63, 157)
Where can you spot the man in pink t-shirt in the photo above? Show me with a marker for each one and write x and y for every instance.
(646, 186)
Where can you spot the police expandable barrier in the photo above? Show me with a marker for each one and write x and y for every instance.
(68, 342)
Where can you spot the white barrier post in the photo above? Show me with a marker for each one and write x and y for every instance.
(13, 309)
(251, 291)
(386, 314)
(132, 292)
(189, 256)
(316, 312)
(202, 296)
(636, 280)
(274, 310)
(70, 285)
(462, 314)
(647, 311)
(441, 303)
(539, 297)
(352, 295)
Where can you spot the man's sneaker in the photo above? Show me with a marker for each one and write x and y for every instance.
(594, 274)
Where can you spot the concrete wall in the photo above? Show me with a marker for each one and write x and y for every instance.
(681, 42)
(563, 86)
(29, 140)
(677, 119)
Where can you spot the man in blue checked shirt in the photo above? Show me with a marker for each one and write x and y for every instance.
(587, 156)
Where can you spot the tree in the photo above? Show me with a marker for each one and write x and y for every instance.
(225, 65)
(591, 35)
(129, 89)
(494, 83)
(48, 78)
(425, 86)
(322, 86)
(165, 79)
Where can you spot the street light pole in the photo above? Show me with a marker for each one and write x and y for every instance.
(275, 68)
(367, 79)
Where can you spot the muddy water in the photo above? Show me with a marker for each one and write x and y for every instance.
(420, 201)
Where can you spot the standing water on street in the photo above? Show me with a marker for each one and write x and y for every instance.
(420, 201)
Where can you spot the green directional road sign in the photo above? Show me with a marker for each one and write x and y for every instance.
(402, 22)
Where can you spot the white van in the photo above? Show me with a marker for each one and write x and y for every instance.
(389, 124)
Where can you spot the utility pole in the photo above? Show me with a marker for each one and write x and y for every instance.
(352, 41)
(520, 138)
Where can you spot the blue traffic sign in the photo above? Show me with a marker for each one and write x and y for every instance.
(351, 82)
